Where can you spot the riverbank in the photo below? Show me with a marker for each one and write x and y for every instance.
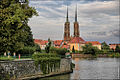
(39, 76)
(114, 55)
(26, 69)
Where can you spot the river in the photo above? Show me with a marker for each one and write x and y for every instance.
(100, 68)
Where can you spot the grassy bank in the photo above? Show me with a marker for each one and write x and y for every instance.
(111, 55)
(6, 58)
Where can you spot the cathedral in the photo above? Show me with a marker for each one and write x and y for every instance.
(76, 40)
(67, 27)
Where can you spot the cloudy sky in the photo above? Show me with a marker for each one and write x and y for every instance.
(98, 19)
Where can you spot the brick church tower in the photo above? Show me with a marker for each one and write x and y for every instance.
(76, 25)
(67, 28)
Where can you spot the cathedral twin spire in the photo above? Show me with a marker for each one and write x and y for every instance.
(67, 15)
(75, 15)
(67, 27)
(76, 25)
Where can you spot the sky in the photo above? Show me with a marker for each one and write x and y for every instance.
(98, 19)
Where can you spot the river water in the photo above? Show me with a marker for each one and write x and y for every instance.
(100, 68)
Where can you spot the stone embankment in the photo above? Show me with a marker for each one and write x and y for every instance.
(26, 69)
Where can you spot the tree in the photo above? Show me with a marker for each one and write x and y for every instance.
(73, 49)
(38, 49)
(53, 50)
(117, 49)
(47, 48)
(14, 30)
(61, 51)
(89, 49)
(26, 51)
(105, 48)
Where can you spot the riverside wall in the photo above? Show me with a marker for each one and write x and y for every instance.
(26, 69)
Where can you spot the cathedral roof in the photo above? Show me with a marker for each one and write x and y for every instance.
(65, 46)
(93, 42)
(77, 40)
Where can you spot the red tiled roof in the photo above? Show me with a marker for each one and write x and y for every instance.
(114, 44)
(44, 42)
(57, 42)
(37, 40)
(41, 42)
(77, 40)
(93, 42)
(64, 42)
(65, 46)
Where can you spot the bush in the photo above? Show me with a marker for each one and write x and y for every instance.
(43, 55)
(53, 50)
(47, 61)
(38, 49)
(27, 51)
(59, 51)
(117, 49)
(118, 55)
(89, 49)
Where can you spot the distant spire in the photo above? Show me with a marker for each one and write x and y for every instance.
(76, 14)
(67, 15)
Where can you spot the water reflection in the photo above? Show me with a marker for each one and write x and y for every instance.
(77, 68)
(100, 68)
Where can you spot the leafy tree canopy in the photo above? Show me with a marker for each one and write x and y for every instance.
(14, 30)
(117, 49)
(104, 46)
(89, 49)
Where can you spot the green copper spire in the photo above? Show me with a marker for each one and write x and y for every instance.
(76, 14)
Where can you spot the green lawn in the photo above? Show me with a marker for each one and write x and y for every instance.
(6, 58)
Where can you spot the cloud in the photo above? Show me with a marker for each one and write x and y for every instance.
(98, 19)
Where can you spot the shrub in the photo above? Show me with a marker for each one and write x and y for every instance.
(53, 50)
(47, 61)
(27, 51)
(38, 49)
(118, 55)
(89, 49)
(117, 49)
(59, 51)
